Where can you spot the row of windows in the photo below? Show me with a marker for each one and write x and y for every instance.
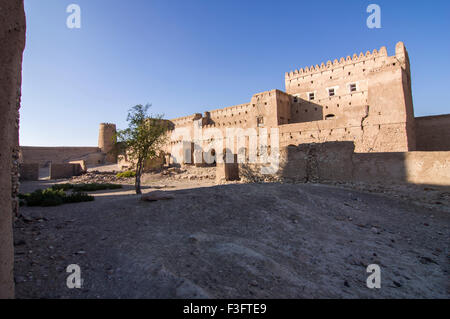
(352, 87)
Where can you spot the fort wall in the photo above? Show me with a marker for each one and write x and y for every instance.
(372, 90)
(337, 162)
(365, 98)
(433, 133)
(58, 171)
(60, 155)
(29, 172)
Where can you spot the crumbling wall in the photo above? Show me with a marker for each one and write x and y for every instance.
(317, 162)
(337, 161)
(12, 43)
(58, 171)
(227, 171)
(83, 165)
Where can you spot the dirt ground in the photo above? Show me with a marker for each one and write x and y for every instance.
(235, 241)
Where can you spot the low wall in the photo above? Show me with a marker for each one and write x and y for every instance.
(337, 161)
(227, 171)
(29, 172)
(58, 171)
(433, 133)
(428, 168)
(59, 155)
(82, 164)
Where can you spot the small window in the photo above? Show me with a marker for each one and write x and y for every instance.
(295, 100)
(311, 96)
(330, 92)
(330, 116)
(353, 87)
(260, 120)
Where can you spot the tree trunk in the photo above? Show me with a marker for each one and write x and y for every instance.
(137, 182)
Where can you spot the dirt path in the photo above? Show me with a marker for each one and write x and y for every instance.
(234, 241)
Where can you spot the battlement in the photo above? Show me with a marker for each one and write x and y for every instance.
(108, 125)
(400, 54)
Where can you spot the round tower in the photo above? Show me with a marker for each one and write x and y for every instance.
(106, 141)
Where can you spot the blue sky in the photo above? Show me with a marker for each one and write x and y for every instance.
(189, 56)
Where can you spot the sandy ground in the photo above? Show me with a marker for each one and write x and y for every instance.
(233, 241)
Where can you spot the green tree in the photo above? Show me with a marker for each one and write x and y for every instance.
(143, 139)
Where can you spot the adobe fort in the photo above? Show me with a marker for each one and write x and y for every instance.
(364, 99)
(348, 120)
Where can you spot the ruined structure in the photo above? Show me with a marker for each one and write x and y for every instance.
(12, 42)
(65, 159)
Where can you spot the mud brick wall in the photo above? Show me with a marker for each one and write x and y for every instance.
(12, 44)
(433, 133)
(29, 172)
(337, 161)
(58, 171)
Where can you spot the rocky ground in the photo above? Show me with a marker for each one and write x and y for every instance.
(235, 241)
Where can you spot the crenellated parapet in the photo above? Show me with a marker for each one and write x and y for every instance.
(339, 63)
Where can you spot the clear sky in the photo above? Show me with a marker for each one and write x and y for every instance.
(189, 56)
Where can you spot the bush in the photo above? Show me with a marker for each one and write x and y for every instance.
(78, 197)
(53, 197)
(64, 187)
(85, 187)
(126, 174)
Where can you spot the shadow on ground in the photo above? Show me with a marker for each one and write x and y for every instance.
(234, 241)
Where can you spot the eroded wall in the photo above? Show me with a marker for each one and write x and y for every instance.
(12, 41)
(58, 171)
(337, 161)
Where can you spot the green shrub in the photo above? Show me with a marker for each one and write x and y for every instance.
(78, 197)
(126, 174)
(52, 197)
(56, 195)
(92, 187)
(64, 187)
